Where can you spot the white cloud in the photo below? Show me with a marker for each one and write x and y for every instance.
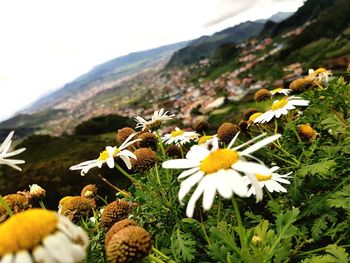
(45, 44)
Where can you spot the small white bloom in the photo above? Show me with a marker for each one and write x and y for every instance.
(155, 123)
(281, 107)
(219, 170)
(36, 191)
(272, 181)
(107, 156)
(319, 76)
(179, 137)
(4, 148)
(280, 91)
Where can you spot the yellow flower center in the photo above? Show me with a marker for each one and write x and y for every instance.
(320, 70)
(177, 133)
(26, 230)
(262, 177)
(277, 90)
(205, 138)
(254, 116)
(105, 155)
(279, 104)
(219, 159)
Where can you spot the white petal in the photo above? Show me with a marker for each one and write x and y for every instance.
(281, 180)
(223, 183)
(180, 164)
(187, 184)
(22, 257)
(7, 141)
(7, 258)
(40, 254)
(127, 153)
(77, 252)
(14, 153)
(209, 191)
(261, 144)
(233, 140)
(257, 187)
(277, 186)
(110, 162)
(192, 202)
(56, 248)
(126, 161)
(188, 172)
(248, 142)
(238, 184)
(274, 169)
(250, 167)
(197, 153)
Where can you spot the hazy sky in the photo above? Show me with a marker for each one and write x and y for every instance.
(45, 44)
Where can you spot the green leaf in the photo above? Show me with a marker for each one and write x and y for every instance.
(183, 246)
(340, 199)
(321, 169)
(334, 254)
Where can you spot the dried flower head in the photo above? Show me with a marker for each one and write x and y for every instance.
(116, 228)
(201, 126)
(130, 244)
(114, 212)
(227, 132)
(148, 140)
(39, 235)
(262, 94)
(36, 191)
(77, 207)
(300, 85)
(307, 132)
(89, 191)
(123, 134)
(243, 125)
(146, 159)
(16, 202)
(173, 151)
(249, 112)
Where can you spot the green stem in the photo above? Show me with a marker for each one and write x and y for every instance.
(126, 194)
(203, 229)
(269, 195)
(161, 144)
(155, 259)
(319, 249)
(219, 210)
(127, 175)
(42, 204)
(157, 175)
(162, 255)
(239, 221)
(5, 206)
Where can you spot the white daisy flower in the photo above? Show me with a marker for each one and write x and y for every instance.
(219, 170)
(39, 235)
(281, 107)
(272, 181)
(107, 156)
(155, 123)
(4, 148)
(280, 91)
(320, 76)
(179, 137)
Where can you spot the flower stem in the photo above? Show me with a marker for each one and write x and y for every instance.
(127, 175)
(161, 144)
(42, 204)
(156, 251)
(239, 221)
(157, 175)
(319, 249)
(155, 259)
(126, 194)
(5, 206)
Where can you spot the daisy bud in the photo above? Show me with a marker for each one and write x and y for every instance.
(148, 140)
(173, 151)
(307, 132)
(130, 244)
(201, 126)
(116, 228)
(300, 85)
(262, 94)
(77, 207)
(114, 212)
(89, 191)
(146, 159)
(227, 131)
(256, 240)
(36, 191)
(16, 202)
(123, 134)
(249, 112)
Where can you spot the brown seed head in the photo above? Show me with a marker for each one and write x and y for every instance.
(262, 94)
(114, 212)
(173, 151)
(146, 159)
(16, 202)
(227, 131)
(123, 134)
(300, 85)
(201, 126)
(89, 191)
(148, 140)
(249, 112)
(307, 132)
(130, 244)
(77, 207)
(243, 125)
(116, 228)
